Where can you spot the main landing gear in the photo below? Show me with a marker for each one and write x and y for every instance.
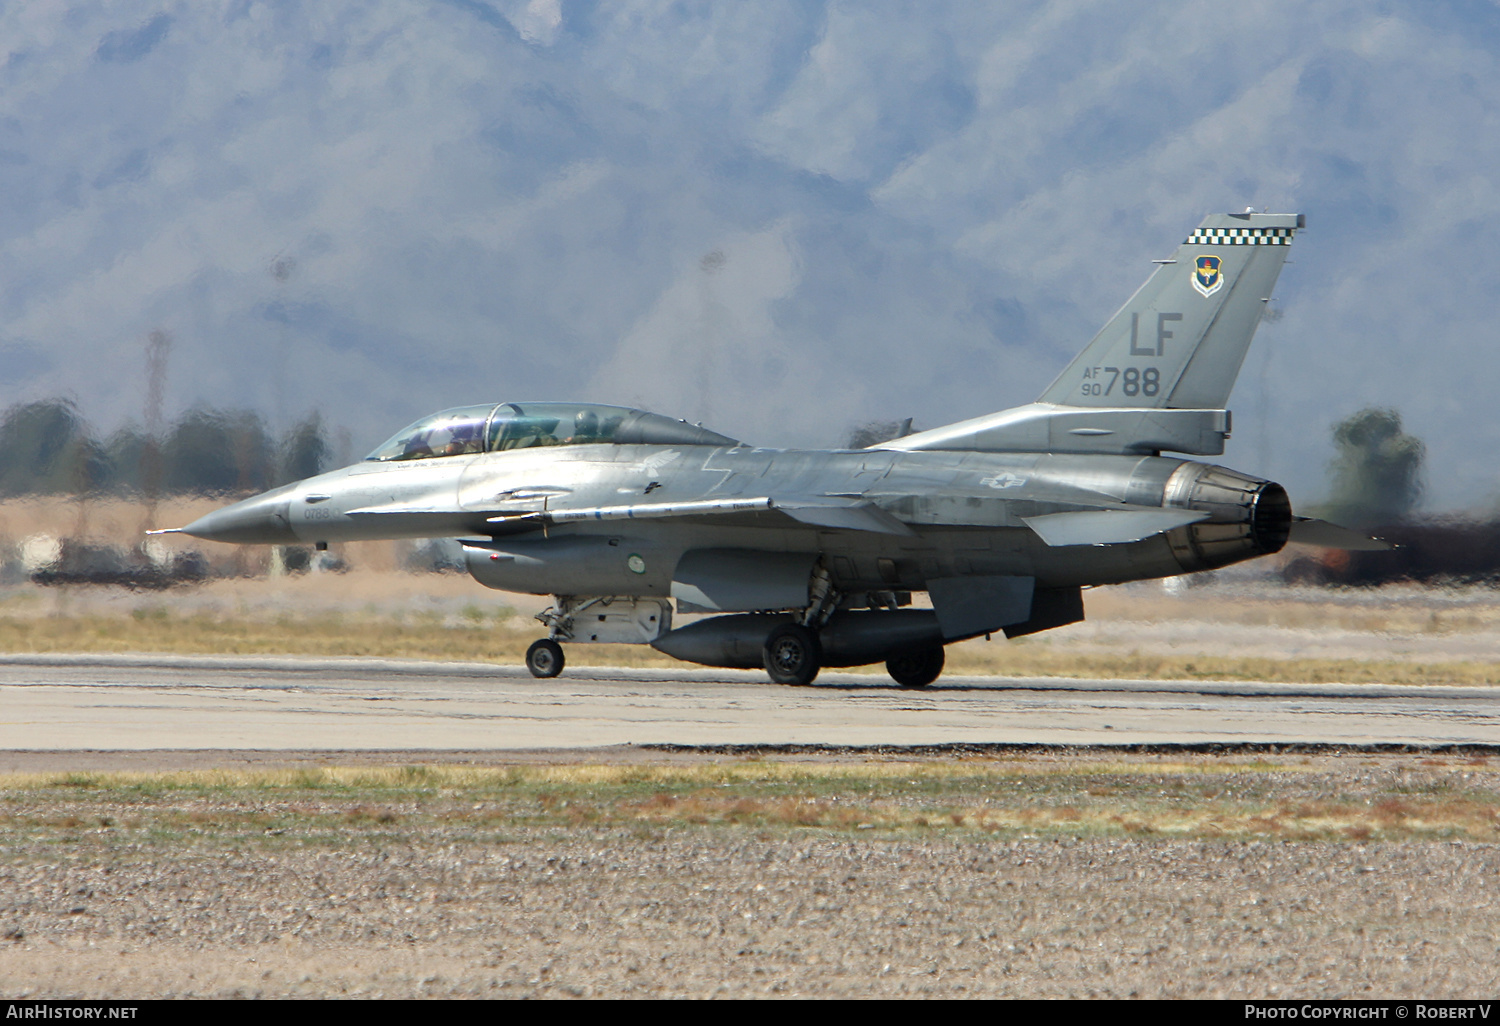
(793, 654)
(916, 667)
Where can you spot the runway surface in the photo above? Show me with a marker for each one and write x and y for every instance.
(138, 703)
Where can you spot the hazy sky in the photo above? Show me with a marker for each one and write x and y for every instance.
(780, 219)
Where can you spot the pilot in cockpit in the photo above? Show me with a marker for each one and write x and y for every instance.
(417, 447)
(585, 428)
(465, 439)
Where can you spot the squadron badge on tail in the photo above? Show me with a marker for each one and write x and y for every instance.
(1207, 278)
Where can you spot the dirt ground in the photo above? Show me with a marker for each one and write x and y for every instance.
(152, 894)
(611, 914)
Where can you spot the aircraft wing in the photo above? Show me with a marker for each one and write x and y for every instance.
(1109, 526)
(819, 511)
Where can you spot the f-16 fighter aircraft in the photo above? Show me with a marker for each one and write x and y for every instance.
(811, 558)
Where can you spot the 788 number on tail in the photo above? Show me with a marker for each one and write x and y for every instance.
(1133, 381)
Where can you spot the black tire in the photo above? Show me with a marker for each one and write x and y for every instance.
(545, 658)
(792, 654)
(916, 667)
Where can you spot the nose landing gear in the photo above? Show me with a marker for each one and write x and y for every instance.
(545, 658)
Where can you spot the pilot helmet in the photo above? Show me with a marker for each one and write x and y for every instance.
(586, 424)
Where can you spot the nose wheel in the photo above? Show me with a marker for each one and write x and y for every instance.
(545, 658)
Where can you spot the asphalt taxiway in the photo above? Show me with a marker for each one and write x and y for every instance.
(138, 703)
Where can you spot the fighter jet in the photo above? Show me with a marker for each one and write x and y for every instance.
(811, 558)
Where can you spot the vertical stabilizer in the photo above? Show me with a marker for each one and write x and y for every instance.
(1179, 342)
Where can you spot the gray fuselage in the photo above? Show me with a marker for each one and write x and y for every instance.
(965, 512)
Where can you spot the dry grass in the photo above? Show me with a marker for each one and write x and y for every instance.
(1401, 798)
(1022, 660)
(158, 630)
(711, 774)
(329, 634)
(1393, 609)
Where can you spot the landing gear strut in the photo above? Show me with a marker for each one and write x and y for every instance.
(545, 658)
(793, 654)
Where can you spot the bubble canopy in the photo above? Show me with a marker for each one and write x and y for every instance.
(500, 428)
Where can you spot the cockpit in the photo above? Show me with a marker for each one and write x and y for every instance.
(475, 429)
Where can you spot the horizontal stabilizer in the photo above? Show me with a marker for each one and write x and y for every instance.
(1308, 531)
(1109, 526)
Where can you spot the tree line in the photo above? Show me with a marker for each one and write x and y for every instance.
(47, 448)
(1375, 478)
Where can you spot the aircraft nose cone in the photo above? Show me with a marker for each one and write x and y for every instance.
(262, 519)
